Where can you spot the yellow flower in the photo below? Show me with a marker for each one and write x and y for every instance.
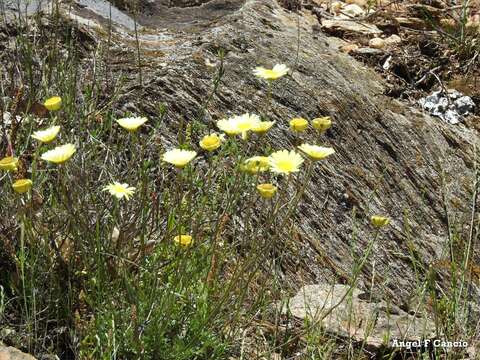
(255, 164)
(316, 152)
(211, 142)
(322, 124)
(285, 162)
(119, 190)
(228, 127)
(179, 157)
(266, 190)
(132, 123)
(53, 103)
(239, 124)
(60, 154)
(379, 221)
(298, 124)
(262, 127)
(183, 240)
(47, 135)
(22, 186)
(278, 71)
(9, 163)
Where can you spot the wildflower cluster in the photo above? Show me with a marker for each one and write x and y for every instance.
(281, 162)
(57, 155)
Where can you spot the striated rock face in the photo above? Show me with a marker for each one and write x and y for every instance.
(389, 157)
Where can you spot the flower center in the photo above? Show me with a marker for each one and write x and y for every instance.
(285, 165)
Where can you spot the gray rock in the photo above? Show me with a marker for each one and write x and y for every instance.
(450, 107)
(353, 10)
(376, 323)
(464, 105)
(350, 26)
(107, 10)
(368, 51)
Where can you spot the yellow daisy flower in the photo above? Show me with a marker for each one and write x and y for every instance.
(322, 124)
(316, 152)
(239, 124)
(132, 123)
(379, 221)
(278, 71)
(22, 186)
(298, 124)
(211, 142)
(9, 163)
(285, 162)
(228, 127)
(183, 240)
(266, 190)
(255, 164)
(60, 154)
(179, 157)
(53, 103)
(48, 135)
(120, 190)
(262, 127)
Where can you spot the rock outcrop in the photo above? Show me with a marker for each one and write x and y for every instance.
(390, 158)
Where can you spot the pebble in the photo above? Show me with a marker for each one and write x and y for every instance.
(353, 10)
(393, 40)
(376, 43)
(348, 48)
(362, 3)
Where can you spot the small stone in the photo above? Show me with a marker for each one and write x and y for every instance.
(362, 3)
(350, 26)
(376, 43)
(451, 117)
(393, 40)
(348, 48)
(366, 51)
(464, 105)
(353, 10)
